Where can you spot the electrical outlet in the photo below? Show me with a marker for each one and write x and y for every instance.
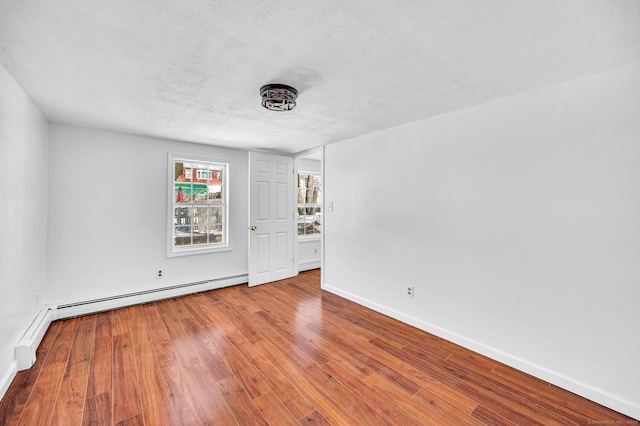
(410, 291)
(159, 273)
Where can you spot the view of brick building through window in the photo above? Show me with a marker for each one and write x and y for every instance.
(199, 203)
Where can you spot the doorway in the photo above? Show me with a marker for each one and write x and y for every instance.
(286, 210)
(309, 209)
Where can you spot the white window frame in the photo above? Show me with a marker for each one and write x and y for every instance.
(225, 245)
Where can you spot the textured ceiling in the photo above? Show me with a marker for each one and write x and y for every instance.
(191, 70)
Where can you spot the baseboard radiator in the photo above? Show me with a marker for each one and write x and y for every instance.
(306, 266)
(119, 301)
(25, 350)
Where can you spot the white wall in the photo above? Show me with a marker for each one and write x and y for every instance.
(23, 217)
(308, 250)
(518, 223)
(114, 241)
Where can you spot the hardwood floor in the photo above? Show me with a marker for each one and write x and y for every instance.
(281, 354)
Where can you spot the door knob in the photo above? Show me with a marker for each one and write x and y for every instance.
(253, 227)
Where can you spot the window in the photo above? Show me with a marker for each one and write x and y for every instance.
(199, 207)
(309, 203)
(204, 174)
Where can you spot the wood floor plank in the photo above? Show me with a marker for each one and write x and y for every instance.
(13, 403)
(241, 404)
(391, 412)
(42, 398)
(71, 398)
(282, 353)
(273, 410)
(126, 386)
(100, 371)
(358, 407)
(208, 336)
(485, 392)
(420, 411)
(443, 408)
(171, 369)
(132, 421)
(155, 400)
(315, 418)
(291, 369)
(256, 354)
(70, 402)
(372, 357)
(490, 418)
(207, 397)
(234, 359)
(273, 378)
(97, 410)
(573, 405)
(537, 408)
(81, 350)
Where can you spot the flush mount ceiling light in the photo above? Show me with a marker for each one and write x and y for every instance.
(278, 97)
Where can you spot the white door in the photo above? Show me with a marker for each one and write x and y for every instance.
(270, 218)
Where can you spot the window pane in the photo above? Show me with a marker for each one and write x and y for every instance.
(317, 221)
(215, 234)
(182, 216)
(300, 225)
(215, 215)
(200, 234)
(200, 215)
(215, 194)
(182, 192)
(182, 236)
(182, 172)
(200, 192)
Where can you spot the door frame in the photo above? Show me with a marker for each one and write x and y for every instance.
(317, 150)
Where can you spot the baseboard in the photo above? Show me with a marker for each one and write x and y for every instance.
(25, 349)
(307, 266)
(593, 393)
(120, 301)
(8, 377)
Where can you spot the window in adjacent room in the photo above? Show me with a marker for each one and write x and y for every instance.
(309, 204)
(199, 207)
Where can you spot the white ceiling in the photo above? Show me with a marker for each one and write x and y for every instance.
(191, 70)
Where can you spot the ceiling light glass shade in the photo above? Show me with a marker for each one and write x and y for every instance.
(278, 97)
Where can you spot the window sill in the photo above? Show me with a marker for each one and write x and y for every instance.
(313, 237)
(195, 251)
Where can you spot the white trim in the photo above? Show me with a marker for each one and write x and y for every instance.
(121, 301)
(324, 217)
(593, 393)
(309, 237)
(310, 151)
(25, 350)
(6, 380)
(306, 266)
